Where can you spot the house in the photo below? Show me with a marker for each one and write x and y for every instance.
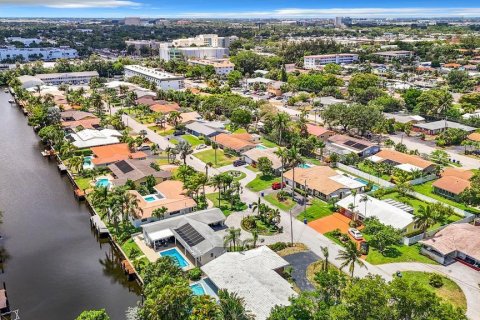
(105, 155)
(475, 136)
(136, 171)
(169, 194)
(73, 119)
(452, 183)
(255, 276)
(404, 118)
(275, 88)
(88, 138)
(189, 117)
(207, 129)
(251, 157)
(162, 106)
(319, 132)
(322, 182)
(436, 127)
(455, 242)
(389, 212)
(343, 145)
(237, 143)
(403, 161)
(194, 231)
(147, 100)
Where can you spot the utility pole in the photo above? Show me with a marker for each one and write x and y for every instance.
(291, 227)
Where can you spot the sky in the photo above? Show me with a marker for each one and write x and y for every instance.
(238, 8)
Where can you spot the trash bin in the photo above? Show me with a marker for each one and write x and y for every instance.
(305, 221)
(262, 194)
(249, 206)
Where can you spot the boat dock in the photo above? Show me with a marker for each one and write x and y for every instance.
(99, 225)
(62, 168)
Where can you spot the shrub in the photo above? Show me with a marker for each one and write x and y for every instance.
(436, 281)
(277, 246)
(249, 222)
(282, 195)
(336, 233)
(195, 274)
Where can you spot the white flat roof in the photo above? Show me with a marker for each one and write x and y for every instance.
(161, 234)
(375, 159)
(408, 167)
(347, 181)
(159, 75)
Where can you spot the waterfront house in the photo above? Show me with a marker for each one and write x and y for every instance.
(452, 183)
(255, 276)
(322, 182)
(169, 194)
(74, 119)
(105, 155)
(196, 233)
(136, 171)
(88, 138)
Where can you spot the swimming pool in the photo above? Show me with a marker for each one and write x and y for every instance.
(153, 197)
(197, 289)
(150, 198)
(261, 147)
(176, 256)
(304, 166)
(103, 182)
(87, 162)
(365, 182)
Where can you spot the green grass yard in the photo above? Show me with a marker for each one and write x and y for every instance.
(83, 183)
(252, 168)
(283, 205)
(398, 253)
(268, 143)
(209, 156)
(262, 182)
(224, 204)
(370, 170)
(194, 141)
(318, 209)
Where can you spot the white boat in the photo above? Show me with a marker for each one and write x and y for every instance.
(11, 101)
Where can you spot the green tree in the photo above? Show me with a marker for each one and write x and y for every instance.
(234, 78)
(434, 102)
(265, 166)
(93, 315)
(232, 306)
(241, 117)
(410, 97)
(350, 256)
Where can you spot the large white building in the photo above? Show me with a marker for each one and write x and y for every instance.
(163, 80)
(46, 54)
(395, 55)
(222, 66)
(168, 52)
(151, 44)
(314, 62)
(205, 40)
(67, 77)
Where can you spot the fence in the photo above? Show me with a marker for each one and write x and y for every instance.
(421, 180)
(366, 176)
(415, 239)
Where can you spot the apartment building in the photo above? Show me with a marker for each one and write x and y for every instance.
(389, 56)
(45, 54)
(138, 44)
(163, 80)
(222, 66)
(315, 61)
(205, 40)
(168, 52)
(67, 77)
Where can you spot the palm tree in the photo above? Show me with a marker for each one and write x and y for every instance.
(217, 182)
(232, 306)
(280, 123)
(320, 145)
(174, 118)
(184, 149)
(294, 159)
(325, 258)
(160, 212)
(283, 154)
(254, 238)
(425, 218)
(75, 163)
(350, 256)
(97, 103)
(232, 236)
(364, 198)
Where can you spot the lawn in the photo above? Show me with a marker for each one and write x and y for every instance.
(164, 132)
(209, 156)
(224, 204)
(237, 175)
(268, 143)
(318, 209)
(83, 183)
(370, 170)
(398, 253)
(314, 161)
(450, 291)
(427, 189)
(173, 140)
(249, 167)
(131, 249)
(262, 182)
(283, 205)
(194, 141)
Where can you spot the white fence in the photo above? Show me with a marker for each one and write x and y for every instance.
(423, 179)
(375, 180)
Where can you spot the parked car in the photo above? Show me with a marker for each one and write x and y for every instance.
(357, 235)
(178, 133)
(278, 185)
(201, 146)
(144, 148)
(238, 163)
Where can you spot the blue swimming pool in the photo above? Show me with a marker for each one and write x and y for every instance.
(150, 198)
(261, 147)
(304, 166)
(176, 256)
(87, 160)
(197, 289)
(103, 182)
(365, 182)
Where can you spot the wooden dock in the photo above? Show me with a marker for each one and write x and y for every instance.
(99, 226)
(128, 269)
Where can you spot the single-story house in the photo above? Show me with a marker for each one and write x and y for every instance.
(475, 136)
(389, 212)
(233, 142)
(251, 157)
(147, 100)
(169, 194)
(328, 101)
(255, 276)
(404, 118)
(164, 107)
(189, 117)
(403, 161)
(436, 127)
(93, 138)
(205, 128)
(193, 231)
(452, 183)
(275, 88)
(136, 171)
(105, 155)
(343, 145)
(322, 182)
(74, 118)
(319, 132)
(455, 242)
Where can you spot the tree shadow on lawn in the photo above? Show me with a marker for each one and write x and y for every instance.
(391, 252)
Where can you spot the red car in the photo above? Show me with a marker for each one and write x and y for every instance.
(277, 185)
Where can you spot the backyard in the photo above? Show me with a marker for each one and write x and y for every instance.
(83, 183)
(318, 209)
(194, 141)
(285, 205)
(209, 156)
(268, 143)
(262, 182)
(363, 166)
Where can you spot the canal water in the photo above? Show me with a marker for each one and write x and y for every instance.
(55, 266)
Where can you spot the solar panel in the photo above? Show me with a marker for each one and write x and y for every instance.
(189, 234)
(349, 143)
(359, 146)
(124, 166)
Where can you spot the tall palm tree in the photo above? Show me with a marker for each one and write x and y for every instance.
(174, 118)
(325, 258)
(283, 154)
(232, 306)
(350, 256)
(294, 159)
(217, 182)
(75, 163)
(425, 218)
(364, 198)
(160, 212)
(280, 123)
(232, 237)
(184, 149)
(320, 145)
(97, 103)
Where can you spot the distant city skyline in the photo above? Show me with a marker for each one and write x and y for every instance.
(238, 9)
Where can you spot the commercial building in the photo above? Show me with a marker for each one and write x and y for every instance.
(67, 77)
(389, 56)
(255, 276)
(25, 41)
(132, 21)
(138, 44)
(222, 66)
(168, 52)
(163, 80)
(47, 54)
(205, 40)
(315, 61)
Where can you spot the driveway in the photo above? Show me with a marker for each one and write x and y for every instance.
(299, 262)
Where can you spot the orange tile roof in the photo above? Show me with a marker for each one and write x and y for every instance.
(317, 178)
(452, 65)
(165, 108)
(452, 184)
(113, 153)
(475, 136)
(403, 158)
(231, 142)
(458, 173)
(85, 123)
(317, 130)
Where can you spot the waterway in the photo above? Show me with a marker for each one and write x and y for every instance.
(56, 268)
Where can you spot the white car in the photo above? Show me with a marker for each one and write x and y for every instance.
(201, 146)
(357, 235)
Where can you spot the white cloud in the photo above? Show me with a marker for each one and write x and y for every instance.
(73, 4)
